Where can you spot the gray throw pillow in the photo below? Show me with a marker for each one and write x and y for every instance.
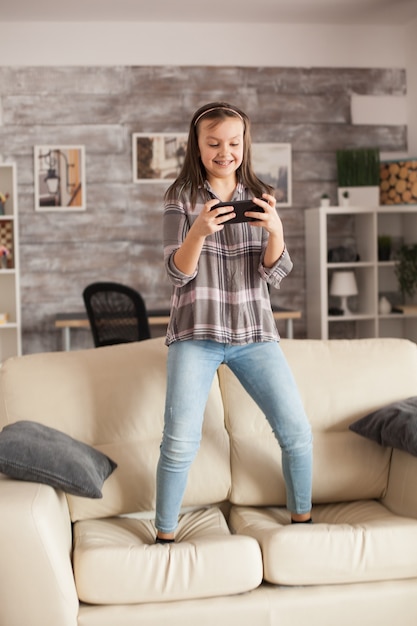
(393, 425)
(37, 453)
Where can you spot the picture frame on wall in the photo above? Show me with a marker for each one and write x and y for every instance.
(272, 163)
(157, 157)
(60, 178)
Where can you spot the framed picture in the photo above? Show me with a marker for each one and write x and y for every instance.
(59, 178)
(272, 164)
(157, 157)
(398, 181)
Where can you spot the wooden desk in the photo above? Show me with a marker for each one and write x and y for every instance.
(289, 315)
(66, 321)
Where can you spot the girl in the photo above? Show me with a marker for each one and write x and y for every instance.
(221, 311)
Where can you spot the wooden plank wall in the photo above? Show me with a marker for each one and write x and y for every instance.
(119, 236)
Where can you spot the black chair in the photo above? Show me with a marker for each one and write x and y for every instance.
(117, 314)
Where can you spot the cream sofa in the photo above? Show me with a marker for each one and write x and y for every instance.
(68, 561)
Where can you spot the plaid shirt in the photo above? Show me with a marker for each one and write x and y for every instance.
(226, 299)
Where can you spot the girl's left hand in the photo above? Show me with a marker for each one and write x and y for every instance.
(270, 219)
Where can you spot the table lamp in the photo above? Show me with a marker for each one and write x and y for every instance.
(343, 285)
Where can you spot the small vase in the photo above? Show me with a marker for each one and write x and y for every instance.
(2, 209)
(384, 306)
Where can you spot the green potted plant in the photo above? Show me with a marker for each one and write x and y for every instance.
(324, 200)
(384, 247)
(406, 270)
(358, 173)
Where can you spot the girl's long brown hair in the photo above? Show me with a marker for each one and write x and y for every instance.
(193, 174)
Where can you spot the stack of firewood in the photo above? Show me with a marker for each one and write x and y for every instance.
(398, 182)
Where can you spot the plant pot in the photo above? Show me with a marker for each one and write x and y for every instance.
(384, 248)
(359, 196)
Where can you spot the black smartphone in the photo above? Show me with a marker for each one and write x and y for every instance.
(240, 207)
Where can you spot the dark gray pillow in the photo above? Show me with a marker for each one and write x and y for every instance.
(393, 425)
(37, 453)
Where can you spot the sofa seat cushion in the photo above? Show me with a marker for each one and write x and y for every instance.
(117, 562)
(347, 543)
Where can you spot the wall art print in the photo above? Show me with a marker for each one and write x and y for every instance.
(60, 178)
(157, 157)
(272, 164)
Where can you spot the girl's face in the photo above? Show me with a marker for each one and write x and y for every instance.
(221, 147)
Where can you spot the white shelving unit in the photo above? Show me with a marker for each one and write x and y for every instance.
(356, 228)
(10, 331)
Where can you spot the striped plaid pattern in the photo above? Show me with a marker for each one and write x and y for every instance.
(226, 299)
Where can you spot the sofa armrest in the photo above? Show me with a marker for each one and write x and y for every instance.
(36, 578)
(401, 494)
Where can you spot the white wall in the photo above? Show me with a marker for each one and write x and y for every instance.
(411, 67)
(106, 43)
(122, 43)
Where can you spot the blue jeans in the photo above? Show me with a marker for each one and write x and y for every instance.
(263, 371)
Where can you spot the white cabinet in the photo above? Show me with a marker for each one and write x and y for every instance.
(350, 235)
(10, 319)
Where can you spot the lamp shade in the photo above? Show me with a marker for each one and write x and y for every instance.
(343, 284)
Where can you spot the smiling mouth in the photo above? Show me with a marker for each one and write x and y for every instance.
(223, 163)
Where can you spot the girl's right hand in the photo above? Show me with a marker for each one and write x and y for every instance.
(206, 223)
(212, 220)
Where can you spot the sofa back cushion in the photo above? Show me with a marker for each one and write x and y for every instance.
(339, 381)
(113, 399)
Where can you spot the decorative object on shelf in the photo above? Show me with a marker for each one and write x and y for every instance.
(325, 200)
(4, 254)
(344, 285)
(3, 198)
(384, 247)
(398, 182)
(343, 254)
(60, 178)
(406, 269)
(4, 318)
(6, 241)
(384, 306)
(358, 173)
(272, 162)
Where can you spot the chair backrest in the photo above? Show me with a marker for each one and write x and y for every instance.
(117, 313)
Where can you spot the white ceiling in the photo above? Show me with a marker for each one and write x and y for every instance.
(388, 12)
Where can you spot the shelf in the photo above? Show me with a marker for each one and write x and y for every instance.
(350, 318)
(10, 332)
(350, 265)
(397, 208)
(347, 231)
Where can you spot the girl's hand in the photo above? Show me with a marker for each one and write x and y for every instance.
(270, 219)
(211, 221)
(206, 223)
